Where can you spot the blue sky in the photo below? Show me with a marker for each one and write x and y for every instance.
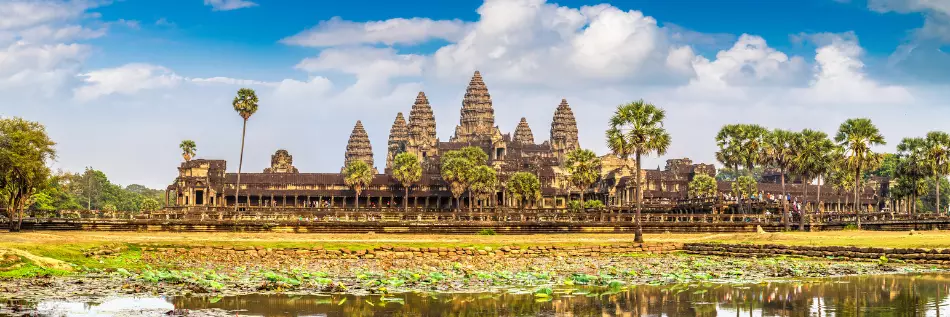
(120, 83)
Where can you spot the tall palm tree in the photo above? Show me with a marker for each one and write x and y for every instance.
(730, 140)
(245, 104)
(937, 157)
(912, 167)
(857, 136)
(813, 158)
(188, 149)
(358, 175)
(637, 127)
(483, 182)
(753, 142)
(406, 170)
(779, 152)
(584, 167)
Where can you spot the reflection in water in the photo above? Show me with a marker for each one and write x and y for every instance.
(892, 295)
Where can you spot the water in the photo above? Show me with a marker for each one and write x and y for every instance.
(886, 295)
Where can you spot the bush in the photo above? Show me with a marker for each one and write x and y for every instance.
(487, 232)
(575, 206)
(851, 227)
(593, 204)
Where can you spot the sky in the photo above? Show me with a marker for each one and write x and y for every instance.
(119, 84)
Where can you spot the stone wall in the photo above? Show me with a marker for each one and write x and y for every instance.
(908, 255)
(402, 252)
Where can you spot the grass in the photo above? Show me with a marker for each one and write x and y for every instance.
(69, 246)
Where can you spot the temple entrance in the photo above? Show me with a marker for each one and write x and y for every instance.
(199, 197)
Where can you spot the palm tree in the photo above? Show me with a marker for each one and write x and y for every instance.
(637, 128)
(753, 140)
(483, 182)
(358, 175)
(584, 167)
(406, 170)
(188, 149)
(729, 139)
(455, 171)
(912, 167)
(524, 186)
(937, 157)
(245, 103)
(813, 159)
(779, 152)
(857, 136)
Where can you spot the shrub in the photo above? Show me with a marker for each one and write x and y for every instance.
(487, 232)
(593, 204)
(575, 206)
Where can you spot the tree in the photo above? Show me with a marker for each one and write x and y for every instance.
(455, 171)
(109, 209)
(524, 186)
(25, 151)
(840, 176)
(245, 104)
(744, 187)
(929, 198)
(406, 170)
(937, 159)
(358, 175)
(888, 166)
(857, 136)
(730, 141)
(912, 169)
(753, 142)
(484, 182)
(188, 149)
(702, 186)
(813, 159)
(637, 128)
(779, 152)
(584, 167)
(149, 204)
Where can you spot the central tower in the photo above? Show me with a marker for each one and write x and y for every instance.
(478, 117)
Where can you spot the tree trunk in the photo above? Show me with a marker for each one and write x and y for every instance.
(638, 234)
(857, 198)
(785, 216)
(801, 211)
(820, 205)
(582, 196)
(405, 200)
(237, 192)
(938, 194)
(357, 201)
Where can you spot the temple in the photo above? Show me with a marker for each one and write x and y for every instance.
(203, 183)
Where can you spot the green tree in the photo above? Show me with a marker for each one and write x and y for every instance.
(455, 172)
(813, 159)
(702, 186)
(937, 159)
(730, 141)
(744, 187)
(857, 136)
(637, 128)
(779, 152)
(840, 176)
(406, 170)
(188, 149)
(358, 175)
(912, 169)
(929, 199)
(584, 167)
(25, 151)
(150, 205)
(888, 166)
(484, 182)
(245, 104)
(753, 144)
(524, 186)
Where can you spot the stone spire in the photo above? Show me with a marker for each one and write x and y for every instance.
(398, 137)
(478, 117)
(523, 132)
(564, 130)
(422, 135)
(358, 147)
(281, 162)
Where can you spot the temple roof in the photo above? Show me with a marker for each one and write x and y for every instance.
(358, 146)
(564, 129)
(477, 115)
(421, 121)
(523, 132)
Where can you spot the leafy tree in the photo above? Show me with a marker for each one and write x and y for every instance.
(358, 175)
(150, 205)
(930, 199)
(593, 204)
(779, 152)
(484, 182)
(911, 170)
(455, 172)
(753, 143)
(840, 176)
(702, 186)
(25, 151)
(584, 167)
(937, 159)
(857, 136)
(813, 158)
(245, 104)
(744, 187)
(888, 166)
(637, 128)
(524, 186)
(188, 149)
(406, 170)
(730, 140)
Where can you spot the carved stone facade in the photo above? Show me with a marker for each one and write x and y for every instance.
(477, 121)
(422, 135)
(523, 132)
(358, 147)
(398, 139)
(281, 162)
(564, 131)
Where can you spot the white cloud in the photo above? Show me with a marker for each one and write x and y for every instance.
(126, 80)
(337, 31)
(232, 81)
(228, 5)
(749, 62)
(24, 14)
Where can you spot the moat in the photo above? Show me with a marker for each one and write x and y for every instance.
(878, 295)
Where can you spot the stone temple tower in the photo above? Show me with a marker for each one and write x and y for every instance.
(563, 131)
(398, 139)
(422, 140)
(358, 147)
(523, 133)
(478, 117)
